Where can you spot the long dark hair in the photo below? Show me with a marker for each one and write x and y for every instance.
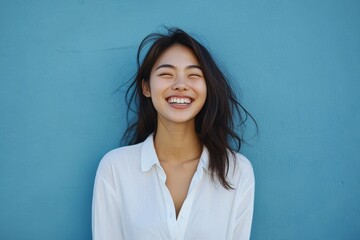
(214, 124)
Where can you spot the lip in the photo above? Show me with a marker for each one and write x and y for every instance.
(180, 105)
(179, 96)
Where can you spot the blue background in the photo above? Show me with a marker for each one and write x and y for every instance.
(298, 65)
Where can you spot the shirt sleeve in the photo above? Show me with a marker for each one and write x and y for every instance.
(245, 209)
(106, 218)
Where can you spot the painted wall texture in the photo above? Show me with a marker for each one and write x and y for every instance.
(297, 63)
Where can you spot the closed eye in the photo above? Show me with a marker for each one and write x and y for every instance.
(195, 75)
(165, 75)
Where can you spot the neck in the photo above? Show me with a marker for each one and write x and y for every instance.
(177, 144)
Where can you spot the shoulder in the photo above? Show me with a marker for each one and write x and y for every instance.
(118, 158)
(243, 164)
(240, 170)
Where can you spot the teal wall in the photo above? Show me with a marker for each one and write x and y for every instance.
(297, 62)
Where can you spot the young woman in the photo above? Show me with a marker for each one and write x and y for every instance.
(180, 178)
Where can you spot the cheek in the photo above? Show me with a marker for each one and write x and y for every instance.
(204, 99)
(202, 94)
(157, 85)
(203, 89)
(156, 91)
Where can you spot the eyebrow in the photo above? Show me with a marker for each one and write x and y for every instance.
(173, 67)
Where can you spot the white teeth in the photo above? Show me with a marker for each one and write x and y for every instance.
(176, 100)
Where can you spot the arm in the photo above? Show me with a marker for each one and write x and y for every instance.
(106, 219)
(245, 209)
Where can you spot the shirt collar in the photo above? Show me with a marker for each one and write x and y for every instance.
(204, 159)
(149, 156)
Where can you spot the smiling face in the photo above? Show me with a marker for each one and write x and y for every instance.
(177, 86)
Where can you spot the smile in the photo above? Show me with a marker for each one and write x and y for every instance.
(179, 100)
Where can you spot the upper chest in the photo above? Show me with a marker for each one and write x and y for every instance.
(178, 180)
(150, 208)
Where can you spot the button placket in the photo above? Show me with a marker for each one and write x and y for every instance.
(170, 208)
(185, 211)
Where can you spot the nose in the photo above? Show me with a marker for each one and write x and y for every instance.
(180, 83)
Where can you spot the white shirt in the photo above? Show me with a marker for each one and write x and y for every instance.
(132, 202)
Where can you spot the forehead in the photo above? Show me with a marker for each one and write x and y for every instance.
(177, 55)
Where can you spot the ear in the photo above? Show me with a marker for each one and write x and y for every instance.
(145, 88)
